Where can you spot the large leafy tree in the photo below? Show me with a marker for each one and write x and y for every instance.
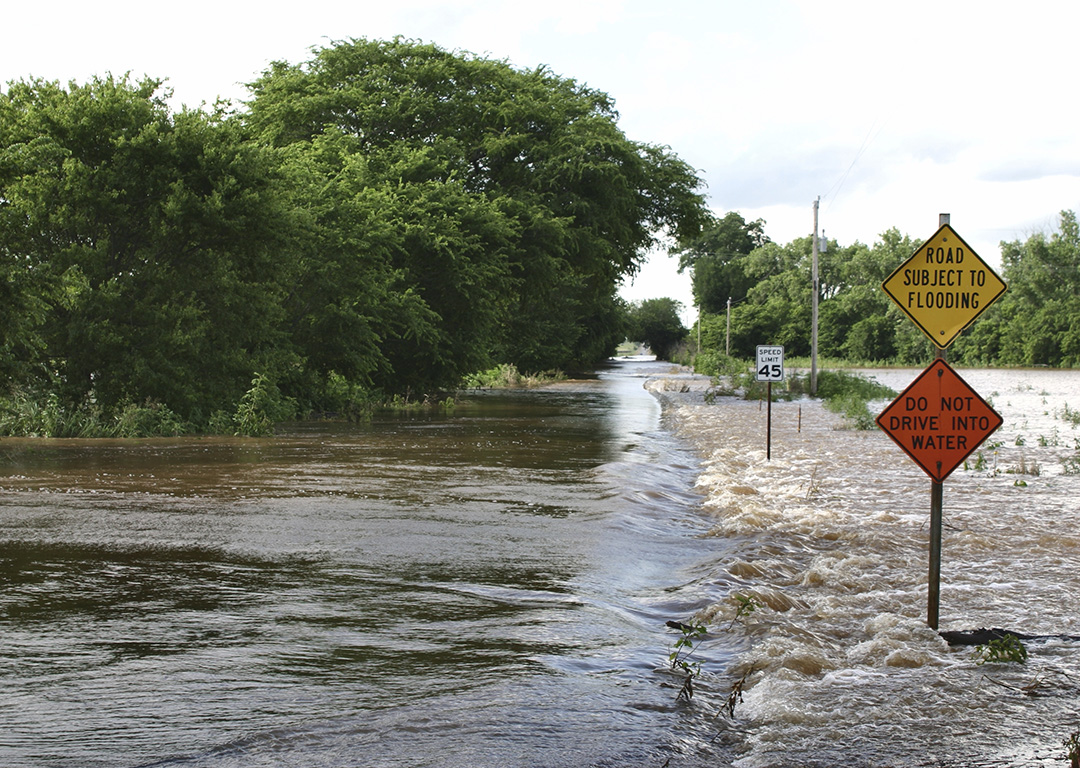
(561, 206)
(144, 246)
(857, 319)
(718, 262)
(401, 288)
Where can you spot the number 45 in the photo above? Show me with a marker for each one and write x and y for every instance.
(774, 371)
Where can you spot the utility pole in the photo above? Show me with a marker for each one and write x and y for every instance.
(813, 306)
(727, 337)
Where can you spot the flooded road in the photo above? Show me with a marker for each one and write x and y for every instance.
(830, 538)
(485, 587)
(490, 587)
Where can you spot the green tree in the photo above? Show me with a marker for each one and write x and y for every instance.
(718, 261)
(656, 323)
(777, 308)
(1042, 305)
(858, 321)
(569, 202)
(147, 246)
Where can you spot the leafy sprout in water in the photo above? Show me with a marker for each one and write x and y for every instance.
(747, 605)
(680, 655)
(1005, 649)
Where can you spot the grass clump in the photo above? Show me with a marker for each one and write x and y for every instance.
(845, 393)
(507, 376)
(30, 414)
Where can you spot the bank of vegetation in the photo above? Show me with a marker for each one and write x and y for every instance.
(1035, 323)
(375, 224)
(386, 223)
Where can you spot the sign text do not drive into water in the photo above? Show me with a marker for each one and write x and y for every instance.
(938, 420)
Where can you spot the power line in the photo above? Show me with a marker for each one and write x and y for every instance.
(870, 136)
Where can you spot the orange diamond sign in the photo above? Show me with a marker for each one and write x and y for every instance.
(938, 420)
(944, 286)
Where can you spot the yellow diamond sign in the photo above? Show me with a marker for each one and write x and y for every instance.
(944, 286)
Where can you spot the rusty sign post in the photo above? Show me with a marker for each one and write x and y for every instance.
(939, 420)
(769, 367)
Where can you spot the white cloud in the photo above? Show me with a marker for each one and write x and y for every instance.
(891, 113)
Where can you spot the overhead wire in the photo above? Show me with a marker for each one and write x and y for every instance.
(834, 190)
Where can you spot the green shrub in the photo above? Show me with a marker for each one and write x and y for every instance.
(831, 384)
(261, 407)
(1003, 650)
(151, 419)
(507, 376)
(849, 395)
(854, 409)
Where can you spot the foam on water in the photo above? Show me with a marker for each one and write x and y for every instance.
(830, 539)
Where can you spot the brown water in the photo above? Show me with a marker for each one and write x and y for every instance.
(482, 588)
(489, 588)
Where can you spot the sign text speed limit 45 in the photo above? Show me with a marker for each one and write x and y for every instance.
(770, 363)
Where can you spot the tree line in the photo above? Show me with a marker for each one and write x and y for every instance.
(382, 219)
(1036, 322)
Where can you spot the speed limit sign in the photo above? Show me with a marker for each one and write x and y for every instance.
(770, 363)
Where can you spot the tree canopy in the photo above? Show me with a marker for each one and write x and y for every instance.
(143, 250)
(716, 260)
(562, 205)
(656, 323)
(1036, 322)
(386, 217)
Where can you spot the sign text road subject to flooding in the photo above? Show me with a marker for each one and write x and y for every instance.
(944, 286)
(939, 420)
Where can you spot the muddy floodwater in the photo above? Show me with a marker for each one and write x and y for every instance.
(491, 586)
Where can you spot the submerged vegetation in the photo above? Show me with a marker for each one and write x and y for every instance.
(1006, 649)
(843, 392)
(507, 376)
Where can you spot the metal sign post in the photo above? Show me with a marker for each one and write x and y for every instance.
(769, 368)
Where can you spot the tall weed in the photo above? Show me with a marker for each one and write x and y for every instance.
(261, 408)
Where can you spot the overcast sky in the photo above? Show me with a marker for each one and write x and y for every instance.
(891, 113)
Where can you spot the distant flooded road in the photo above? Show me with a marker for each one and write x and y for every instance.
(490, 587)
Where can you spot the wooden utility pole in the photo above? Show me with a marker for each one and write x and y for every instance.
(813, 306)
(727, 338)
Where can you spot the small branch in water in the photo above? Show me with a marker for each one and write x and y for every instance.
(736, 694)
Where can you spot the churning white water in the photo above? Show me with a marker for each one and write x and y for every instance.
(829, 542)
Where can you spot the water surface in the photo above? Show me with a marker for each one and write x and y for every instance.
(484, 587)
